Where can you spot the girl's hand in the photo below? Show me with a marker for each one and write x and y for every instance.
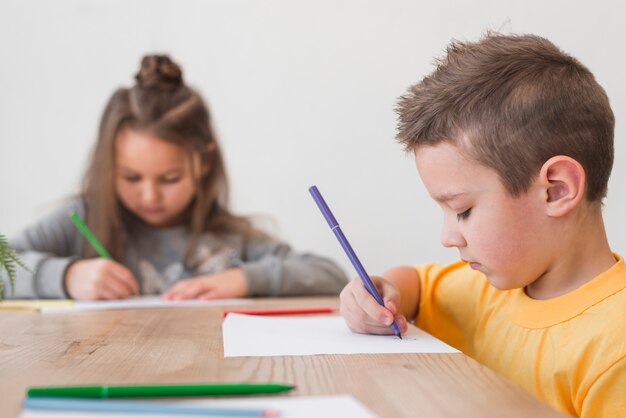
(364, 315)
(99, 278)
(228, 284)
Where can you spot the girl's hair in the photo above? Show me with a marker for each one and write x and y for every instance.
(160, 104)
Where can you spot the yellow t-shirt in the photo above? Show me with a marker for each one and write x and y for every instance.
(569, 351)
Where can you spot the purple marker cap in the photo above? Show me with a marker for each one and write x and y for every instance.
(321, 203)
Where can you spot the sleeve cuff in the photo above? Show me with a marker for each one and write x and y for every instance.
(260, 280)
(49, 278)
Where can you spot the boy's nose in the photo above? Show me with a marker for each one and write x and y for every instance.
(451, 236)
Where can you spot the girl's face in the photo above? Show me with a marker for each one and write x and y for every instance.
(153, 177)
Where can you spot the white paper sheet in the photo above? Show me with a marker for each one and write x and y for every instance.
(289, 407)
(248, 335)
(139, 303)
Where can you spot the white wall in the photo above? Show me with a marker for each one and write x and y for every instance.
(301, 93)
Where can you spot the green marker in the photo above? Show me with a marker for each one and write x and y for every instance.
(102, 252)
(144, 391)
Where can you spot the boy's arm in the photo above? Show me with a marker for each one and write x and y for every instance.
(407, 282)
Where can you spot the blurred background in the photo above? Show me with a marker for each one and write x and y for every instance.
(301, 93)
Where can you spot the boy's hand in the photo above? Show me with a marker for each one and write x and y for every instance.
(364, 315)
(228, 284)
(99, 278)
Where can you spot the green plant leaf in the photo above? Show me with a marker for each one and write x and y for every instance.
(19, 262)
(8, 260)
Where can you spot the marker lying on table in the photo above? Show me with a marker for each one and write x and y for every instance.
(282, 311)
(144, 391)
(97, 405)
(334, 225)
(91, 238)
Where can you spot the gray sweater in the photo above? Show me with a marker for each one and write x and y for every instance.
(154, 255)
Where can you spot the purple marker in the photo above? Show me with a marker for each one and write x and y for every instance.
(334, 225)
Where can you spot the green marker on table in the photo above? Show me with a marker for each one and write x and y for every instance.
(145, 391)
(102, 252)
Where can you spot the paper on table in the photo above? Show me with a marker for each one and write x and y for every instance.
(139, 303)
(289, 407)
(34, 304)
(248, 335)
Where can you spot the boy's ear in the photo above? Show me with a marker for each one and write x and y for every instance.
(564, 181)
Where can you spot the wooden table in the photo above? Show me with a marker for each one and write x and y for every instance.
(185, 345)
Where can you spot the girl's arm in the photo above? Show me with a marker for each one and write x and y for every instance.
(274, 269)
(48, 248)
(265, 268)
(51, 248)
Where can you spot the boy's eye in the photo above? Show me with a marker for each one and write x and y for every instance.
(463, 215)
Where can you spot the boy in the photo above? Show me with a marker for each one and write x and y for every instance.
(514, 140)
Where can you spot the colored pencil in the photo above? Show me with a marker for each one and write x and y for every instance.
(142, 391)
(98, 405)
(283, 311)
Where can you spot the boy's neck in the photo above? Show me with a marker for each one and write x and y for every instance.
(584, 254)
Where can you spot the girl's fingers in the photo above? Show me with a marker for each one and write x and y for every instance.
(190, 289)
(194, 290)
(125, 277)
(211, 294)
(180, 295)
(178, 289)
(105, 293)
(118, 287)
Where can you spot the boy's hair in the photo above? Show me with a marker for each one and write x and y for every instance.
(159, 103)
(512, 103)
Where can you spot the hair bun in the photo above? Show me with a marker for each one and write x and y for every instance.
(159, 72)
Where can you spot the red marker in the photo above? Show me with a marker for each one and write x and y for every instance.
(283, 311)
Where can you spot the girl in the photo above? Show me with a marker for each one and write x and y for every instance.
(155, 195)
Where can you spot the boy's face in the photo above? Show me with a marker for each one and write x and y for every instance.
(500, 235)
